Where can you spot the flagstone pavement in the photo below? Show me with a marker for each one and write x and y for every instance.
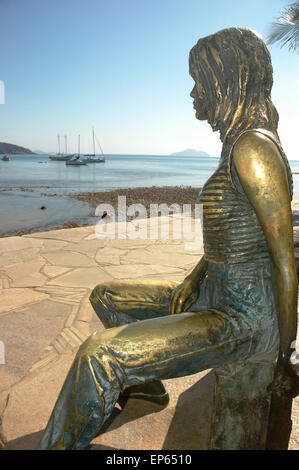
(45, 314)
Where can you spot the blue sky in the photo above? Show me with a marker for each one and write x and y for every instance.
(122, 67)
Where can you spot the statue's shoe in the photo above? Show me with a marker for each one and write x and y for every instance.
(153, 391)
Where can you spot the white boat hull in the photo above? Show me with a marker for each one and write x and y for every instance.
(76, 162)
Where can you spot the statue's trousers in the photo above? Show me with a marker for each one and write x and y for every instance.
(233, 320)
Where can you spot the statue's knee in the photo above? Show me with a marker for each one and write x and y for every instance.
(97, 343)
(89, 347)
(98, 293)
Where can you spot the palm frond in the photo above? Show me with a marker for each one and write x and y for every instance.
(286, 28)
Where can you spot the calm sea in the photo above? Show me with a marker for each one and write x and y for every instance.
(28, 182)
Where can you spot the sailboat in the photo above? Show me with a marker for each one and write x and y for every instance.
(77, 160)
(62, 157)
(5, 158)
(91, 157)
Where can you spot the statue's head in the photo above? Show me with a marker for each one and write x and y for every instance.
(233, 79)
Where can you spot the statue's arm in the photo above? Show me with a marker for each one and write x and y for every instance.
(186, 293)
(263, 176)
(199, 272)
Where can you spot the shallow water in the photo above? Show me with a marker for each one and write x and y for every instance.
(21, 212)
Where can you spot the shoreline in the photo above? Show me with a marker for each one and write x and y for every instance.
(138, 195)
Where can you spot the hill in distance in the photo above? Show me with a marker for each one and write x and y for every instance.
(13, 149)
(191, 153)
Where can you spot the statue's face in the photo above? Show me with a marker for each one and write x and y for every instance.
(199, 101)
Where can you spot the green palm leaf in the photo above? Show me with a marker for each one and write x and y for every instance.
(286, 28)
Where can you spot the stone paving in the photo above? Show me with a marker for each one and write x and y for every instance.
(45, 314)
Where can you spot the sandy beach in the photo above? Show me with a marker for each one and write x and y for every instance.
(144, 195)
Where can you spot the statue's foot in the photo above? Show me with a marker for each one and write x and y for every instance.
(153, 391)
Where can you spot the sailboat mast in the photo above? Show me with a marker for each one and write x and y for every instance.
(58, 137)
(79, 145)
(94, 151)
(65, 139)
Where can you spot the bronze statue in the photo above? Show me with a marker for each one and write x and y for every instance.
(236, 311)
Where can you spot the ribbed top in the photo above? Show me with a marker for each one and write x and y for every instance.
(231, 230)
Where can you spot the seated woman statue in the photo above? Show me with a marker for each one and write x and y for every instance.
(236, 311)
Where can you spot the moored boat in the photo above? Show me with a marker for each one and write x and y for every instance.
(5, 158)
(61, 157)
(77, 160)
(91, 157)
(94, 159)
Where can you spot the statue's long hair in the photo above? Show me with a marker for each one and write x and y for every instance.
(235, 70)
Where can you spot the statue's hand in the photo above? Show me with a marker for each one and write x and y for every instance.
(183, 296)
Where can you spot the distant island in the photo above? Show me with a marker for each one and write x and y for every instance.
(191, 153)
(13, 149)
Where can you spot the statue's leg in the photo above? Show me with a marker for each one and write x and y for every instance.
(107, 362)
(121, 302)
(242, 399)
(117, 303)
